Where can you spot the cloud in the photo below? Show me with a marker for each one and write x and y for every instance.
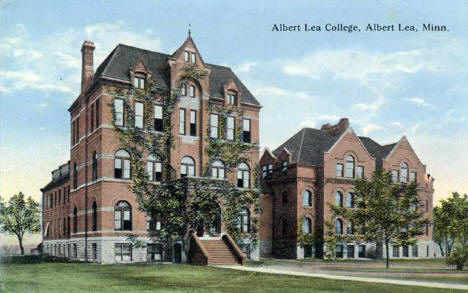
(418, 101)
(369, 128)
(397, 124)
(267, 92)
(374, 106)
(245, 67)
(43, 105)
(54, 62)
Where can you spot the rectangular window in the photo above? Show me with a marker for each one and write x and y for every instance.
(230, 128)
(284, 168)
(97, 114)
(362, 251)
(158, 118)
(154, 252)
(75, 250)
(427, 250)
(396, 251)
(394, 176)
(186, 56)
(123, 251)
(139, 114)
(94, 245)
(246, 130)
(194, 58)
(267, 171)
(182, 121)
(231, 99)
(405, 251)
(92, 117)
(339, 170)
(214, 125)
(339, 251)
(412, 176)
(414, 251)
(192, 91)
(126, 169)
(193, 123)
(139, 82)
(360, 172)
(350, 251)
(119, 112)
(154, 171)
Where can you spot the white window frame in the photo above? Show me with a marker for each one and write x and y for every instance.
(230, 128)
(139, 109)
(214, 125)
(119, 112)
(182, 121)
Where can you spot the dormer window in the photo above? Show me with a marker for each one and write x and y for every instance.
(186, 56)
(231, 99)
(194, 58)
(139, 82)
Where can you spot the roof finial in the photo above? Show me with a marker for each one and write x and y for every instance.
(189, 32)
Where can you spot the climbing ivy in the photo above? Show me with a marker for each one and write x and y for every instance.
(184, 206)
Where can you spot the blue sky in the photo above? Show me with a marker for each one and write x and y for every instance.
(388, 84)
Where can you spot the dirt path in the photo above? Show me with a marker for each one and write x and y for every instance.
(286, 271)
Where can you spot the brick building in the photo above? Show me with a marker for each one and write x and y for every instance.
(317, 167)
(88, 210)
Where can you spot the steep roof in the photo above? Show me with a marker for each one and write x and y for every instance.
(123, 57)
(63, 175)
(308, 145)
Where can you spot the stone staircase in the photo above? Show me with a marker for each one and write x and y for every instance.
(220, 252)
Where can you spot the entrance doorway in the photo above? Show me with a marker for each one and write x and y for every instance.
(177, 253)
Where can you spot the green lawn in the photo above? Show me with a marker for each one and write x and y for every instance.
(79, 277)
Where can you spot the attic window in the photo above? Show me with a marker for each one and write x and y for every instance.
(194, 58)
(231, 98)
(139, 82)
(186, 56)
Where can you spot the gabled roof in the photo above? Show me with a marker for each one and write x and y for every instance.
(308, 145)
(124, 57)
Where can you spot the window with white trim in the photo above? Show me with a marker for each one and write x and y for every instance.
(230, 128)
(214, 126)
(192, 91)
(122, 216)
(154, 169)
(307, 225)
(182, 121)
(194, 58)
(360, 172)
(122, 165)
(183, 90)
(244, 221)
(187, 167)
(349, 166)
(123, 251)
(186, 56)
(139, 114)
(218, 169)
(412, 176)
(403, 172)
(243, 175)
(231, 99)
(193, 123)
(394, 176)
(119, 112)
(139, 82)
(246, 130)
(158, 118)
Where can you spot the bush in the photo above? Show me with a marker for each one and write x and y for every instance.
(458, 257)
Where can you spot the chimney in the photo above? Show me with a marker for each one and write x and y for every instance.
(87, 68)
(339, 128)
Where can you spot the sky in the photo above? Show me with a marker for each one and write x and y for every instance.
(389, 84)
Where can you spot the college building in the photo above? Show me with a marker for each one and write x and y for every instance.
(88, 210)
(316, 168)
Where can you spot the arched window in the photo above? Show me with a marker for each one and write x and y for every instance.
(187, 167)
(75, 176)
(339, 199)
(307, 198)
(244, 220)
(75, 220)
(307, 226)
(349, 200)
(154, 169)
(95, 165)
(403, 172)
(243, 175)
(349, 167)
(338, 227)
(122, 165)
(217, 169)
(94, 223)
(122, 216)
(192, 91)
(284, 198)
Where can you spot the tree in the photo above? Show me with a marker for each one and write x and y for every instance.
(451, 220)
(440, 232)
(384, 212)
(187, 205)
(20, 215)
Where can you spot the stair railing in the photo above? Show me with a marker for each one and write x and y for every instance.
(237, 251)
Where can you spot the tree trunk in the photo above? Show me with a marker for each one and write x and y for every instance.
(387, 253)
(20, 240)
(441, 249)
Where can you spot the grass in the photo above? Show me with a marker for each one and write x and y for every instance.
(51, 275)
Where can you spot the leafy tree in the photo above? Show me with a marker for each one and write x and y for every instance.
(183, 206)
(440, 232)
(19, 216)
(384, 212)
(453, 216)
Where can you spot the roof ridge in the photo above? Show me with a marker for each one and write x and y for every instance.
(130, 46)
(300, 145)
